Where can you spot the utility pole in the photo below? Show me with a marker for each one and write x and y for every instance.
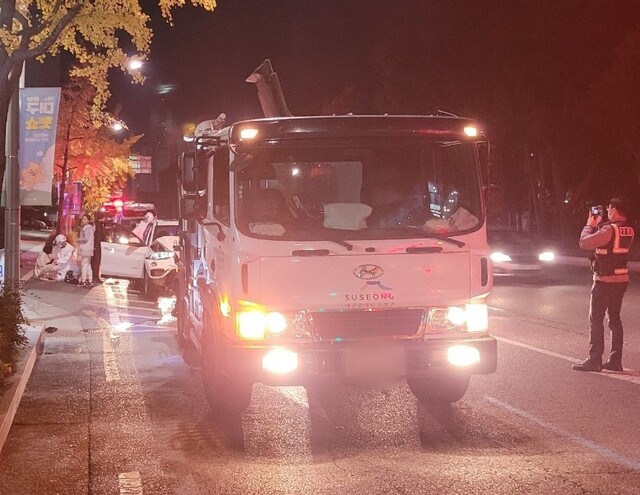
(12, 181)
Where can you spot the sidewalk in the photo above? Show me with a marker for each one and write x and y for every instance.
(36, 313)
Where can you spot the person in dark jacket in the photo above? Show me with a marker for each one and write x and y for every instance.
(610, 241)
(98, 237)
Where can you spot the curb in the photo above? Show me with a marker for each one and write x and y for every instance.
(12, 396)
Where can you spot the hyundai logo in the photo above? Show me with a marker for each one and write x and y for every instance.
(368, 272)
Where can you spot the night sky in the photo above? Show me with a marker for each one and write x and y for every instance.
(526, 68)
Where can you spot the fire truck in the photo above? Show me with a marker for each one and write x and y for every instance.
(335, 249)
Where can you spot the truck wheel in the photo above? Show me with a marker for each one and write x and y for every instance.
(442, 389)
(189, 351)
(223, 394)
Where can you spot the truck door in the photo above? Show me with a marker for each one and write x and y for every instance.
(218, 238)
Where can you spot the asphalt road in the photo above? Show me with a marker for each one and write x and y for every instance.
(113, 409)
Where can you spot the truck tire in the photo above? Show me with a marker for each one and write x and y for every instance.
(190, 353)
(441, 389)
(222, 393)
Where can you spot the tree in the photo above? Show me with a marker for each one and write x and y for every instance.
(95, 33)
(86, 150)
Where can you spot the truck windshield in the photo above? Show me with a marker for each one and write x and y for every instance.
(367, 192)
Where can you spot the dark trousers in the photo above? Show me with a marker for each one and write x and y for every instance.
(606, 297)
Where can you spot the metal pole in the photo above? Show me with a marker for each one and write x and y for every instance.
(12, 211)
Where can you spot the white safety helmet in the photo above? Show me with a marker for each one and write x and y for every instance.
(148, 216)
(60, 239)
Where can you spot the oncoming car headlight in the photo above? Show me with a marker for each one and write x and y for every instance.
(498, 257)
(471, 318)
(546, 256)
(257, 324)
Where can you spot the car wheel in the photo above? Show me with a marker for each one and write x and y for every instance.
(441, 389)
(148, 289)
(223, 394)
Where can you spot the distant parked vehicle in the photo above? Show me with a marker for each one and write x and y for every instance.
(38, 217)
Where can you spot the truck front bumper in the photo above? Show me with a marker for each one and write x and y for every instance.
(327, 362)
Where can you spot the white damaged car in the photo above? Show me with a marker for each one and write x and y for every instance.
(149, 262)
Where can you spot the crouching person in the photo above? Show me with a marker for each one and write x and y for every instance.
(46, 266)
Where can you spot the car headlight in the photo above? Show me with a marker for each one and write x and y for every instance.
(470, 318)
(547, 256)
(256, 324)
(161, 255)
(498, 257)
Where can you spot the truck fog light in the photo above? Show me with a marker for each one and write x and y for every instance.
(463, 355)
(280, 361)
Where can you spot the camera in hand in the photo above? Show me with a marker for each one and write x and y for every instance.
(596, 211)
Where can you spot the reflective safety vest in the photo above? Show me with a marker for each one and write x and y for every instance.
(612, 259)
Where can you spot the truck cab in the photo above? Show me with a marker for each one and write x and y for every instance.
(333, 249)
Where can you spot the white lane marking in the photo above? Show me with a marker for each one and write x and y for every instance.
(536, 349)
(493, 308)
(109, 359)
(615, 376)
(130, 483)
(601, 450)
(299, 395)
(295, 394)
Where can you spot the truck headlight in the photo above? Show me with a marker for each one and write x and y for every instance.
(257, 324)
(470, 318)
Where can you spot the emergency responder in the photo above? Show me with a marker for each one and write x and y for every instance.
(63, 253)
(611, 241)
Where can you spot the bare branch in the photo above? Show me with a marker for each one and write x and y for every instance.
(23, 54)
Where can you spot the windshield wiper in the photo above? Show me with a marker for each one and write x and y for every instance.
(342, 243)
(427, 235)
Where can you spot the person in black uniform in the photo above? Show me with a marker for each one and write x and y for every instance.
(98, 237)
(611, 241)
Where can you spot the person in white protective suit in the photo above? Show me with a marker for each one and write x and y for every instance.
(63, 254)
(144, 224)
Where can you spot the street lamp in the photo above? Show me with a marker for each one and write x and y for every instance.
(135, 64)
(117, 126)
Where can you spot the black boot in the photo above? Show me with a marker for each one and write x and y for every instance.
(587, 365)
(611, 366)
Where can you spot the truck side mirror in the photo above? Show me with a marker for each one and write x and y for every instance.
(484, 148)
(187, 166)
(188, 207)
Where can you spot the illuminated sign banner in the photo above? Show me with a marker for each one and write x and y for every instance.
(38, 123)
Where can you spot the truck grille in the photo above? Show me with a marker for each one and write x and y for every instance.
(347, 325)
